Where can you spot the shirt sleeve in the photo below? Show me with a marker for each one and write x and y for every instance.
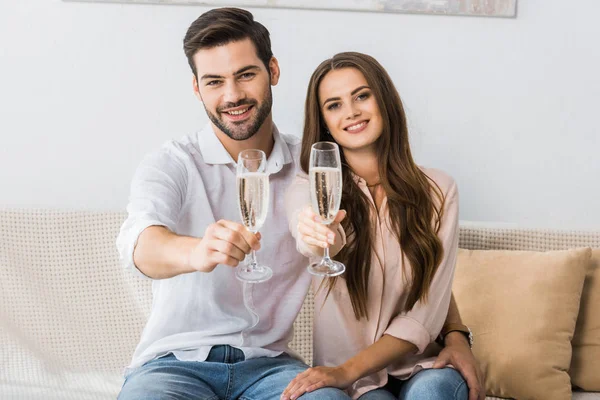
(297, 197)
(157, 195)
(421, 325)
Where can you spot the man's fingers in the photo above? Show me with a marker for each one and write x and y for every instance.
(226, 235)
(222, 258)
(238, 235)
(228, 249)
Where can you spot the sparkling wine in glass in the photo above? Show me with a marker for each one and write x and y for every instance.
(325, 179)
(253, 202)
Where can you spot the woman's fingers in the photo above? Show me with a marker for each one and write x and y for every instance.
(307, 226)
(311, 237)
(340, 216)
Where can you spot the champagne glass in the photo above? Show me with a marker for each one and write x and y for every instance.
(325, 176)
(253, 203)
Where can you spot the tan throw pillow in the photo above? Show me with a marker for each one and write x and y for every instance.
(522, 307)
(585, 366)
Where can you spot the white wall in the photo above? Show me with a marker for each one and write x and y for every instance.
(509, 107)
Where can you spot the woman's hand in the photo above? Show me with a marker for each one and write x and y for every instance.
(316, 378)
(314, 233)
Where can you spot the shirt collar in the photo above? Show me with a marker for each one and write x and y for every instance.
(213, 151)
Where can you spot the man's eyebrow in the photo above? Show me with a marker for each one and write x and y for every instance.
(358, 89)
(238, 72)
(246, 68)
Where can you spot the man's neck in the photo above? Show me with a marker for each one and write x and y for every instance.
(262, 140)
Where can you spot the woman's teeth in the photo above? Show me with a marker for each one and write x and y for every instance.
(357, 126)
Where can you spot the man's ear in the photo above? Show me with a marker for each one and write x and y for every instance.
(196, 89)
(274, 71)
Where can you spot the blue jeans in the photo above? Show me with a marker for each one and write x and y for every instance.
(428, 384)
(225, 375)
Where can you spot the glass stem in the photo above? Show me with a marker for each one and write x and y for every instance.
(326, 258)
(326, 255)
(253, 262)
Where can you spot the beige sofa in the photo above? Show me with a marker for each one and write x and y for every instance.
(70, 316)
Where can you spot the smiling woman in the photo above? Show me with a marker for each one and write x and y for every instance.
(484, 8)
(397, 236)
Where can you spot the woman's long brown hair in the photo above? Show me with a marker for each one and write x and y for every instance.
(414, 213)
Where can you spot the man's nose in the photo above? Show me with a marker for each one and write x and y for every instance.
(233, 93)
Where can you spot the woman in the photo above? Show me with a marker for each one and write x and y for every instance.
(397, 236)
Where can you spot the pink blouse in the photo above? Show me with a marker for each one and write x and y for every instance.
(338, 336)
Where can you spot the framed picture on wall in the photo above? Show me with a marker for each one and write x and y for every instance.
(482, 8)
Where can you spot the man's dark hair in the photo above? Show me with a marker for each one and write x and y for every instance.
(221, 26)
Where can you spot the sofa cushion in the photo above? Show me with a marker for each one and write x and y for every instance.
(585, 365)
(522, 307)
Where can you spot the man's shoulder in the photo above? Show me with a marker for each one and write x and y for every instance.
(173, 151)
(291, 140)
(293, 143)
(182, 146)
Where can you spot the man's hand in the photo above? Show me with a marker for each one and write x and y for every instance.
(316, 378)
(224, 242)
(458, 353)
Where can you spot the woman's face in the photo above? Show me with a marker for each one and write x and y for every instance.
(350, 109)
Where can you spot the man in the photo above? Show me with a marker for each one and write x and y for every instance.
(210, 335)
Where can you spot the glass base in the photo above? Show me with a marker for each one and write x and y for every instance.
(326, 268)
(255, 274)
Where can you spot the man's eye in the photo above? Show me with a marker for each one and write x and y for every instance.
(212, 83)
(247, 75)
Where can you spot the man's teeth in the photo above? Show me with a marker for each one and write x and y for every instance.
(238, 112)
(355, 127)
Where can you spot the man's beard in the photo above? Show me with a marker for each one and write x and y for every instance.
(245, 129)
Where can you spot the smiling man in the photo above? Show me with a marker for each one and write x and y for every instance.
(211, 336)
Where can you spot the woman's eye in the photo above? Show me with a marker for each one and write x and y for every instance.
(362, 96)
(333, 106)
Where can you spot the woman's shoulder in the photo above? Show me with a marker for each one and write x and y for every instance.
(444, 180)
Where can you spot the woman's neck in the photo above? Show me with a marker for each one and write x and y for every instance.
(364, 164)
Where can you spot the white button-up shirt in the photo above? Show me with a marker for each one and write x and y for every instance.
(186, 186)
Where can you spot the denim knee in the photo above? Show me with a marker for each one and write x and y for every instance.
(435, 384)
(326, 393)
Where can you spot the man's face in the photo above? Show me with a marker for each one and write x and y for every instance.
(235, 87)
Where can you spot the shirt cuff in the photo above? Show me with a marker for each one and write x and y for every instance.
(410, 330)
(127, 240)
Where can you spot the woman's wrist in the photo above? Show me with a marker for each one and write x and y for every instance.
(352, 370)
(456, 337)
